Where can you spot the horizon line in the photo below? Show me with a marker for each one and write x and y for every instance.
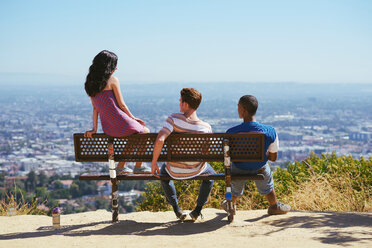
(22, 78)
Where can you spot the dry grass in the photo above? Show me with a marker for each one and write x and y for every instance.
(319, 193)
(251, 199)
(10, 205)
(329, 194)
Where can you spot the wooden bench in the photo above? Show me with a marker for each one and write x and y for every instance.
(216, 147)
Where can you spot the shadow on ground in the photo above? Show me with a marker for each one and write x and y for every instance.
(335, 225)
(127, 227)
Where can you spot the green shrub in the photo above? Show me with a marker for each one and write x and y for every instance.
(326, 182)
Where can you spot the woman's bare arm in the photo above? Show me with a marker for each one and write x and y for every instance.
(119, 98)
(115, 85)
(95, 123)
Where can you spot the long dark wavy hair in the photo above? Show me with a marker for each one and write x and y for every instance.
(100, 71)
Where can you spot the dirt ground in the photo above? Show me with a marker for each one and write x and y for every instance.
(161, 229)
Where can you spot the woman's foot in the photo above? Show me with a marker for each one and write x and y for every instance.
(141, 170)
(120, 165)
(124, 170)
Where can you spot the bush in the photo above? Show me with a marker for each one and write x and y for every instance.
(326, 182)
(331, 183)
(11, 205)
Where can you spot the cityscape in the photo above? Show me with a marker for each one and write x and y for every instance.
(37, 123)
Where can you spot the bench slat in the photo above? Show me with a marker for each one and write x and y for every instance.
(217, 176)
(177, 147)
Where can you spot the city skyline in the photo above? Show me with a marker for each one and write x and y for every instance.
(37, 123)
(209, 41)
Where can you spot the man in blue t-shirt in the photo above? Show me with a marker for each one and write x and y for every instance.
(247, 108)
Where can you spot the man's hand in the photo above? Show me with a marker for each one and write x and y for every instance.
(159, 142)
(88, 134)
(155, 170)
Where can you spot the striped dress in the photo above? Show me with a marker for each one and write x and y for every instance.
(179, 123)
(114, 121)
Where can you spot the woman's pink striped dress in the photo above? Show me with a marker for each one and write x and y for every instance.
(114, 121)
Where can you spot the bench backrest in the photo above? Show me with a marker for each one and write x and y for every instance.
(177, 147)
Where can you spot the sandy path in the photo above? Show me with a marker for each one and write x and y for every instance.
(146, 229)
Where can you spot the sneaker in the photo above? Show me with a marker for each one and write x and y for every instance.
(224, 206)
(278, 208)
(142, 170)
(124, 170)
(194, 214)
(181, 215)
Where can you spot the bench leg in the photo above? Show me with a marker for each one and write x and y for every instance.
(227, 165)
(114, 182)
(114, 200)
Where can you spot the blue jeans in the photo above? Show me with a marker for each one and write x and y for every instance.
(264, 187)
(204, 191)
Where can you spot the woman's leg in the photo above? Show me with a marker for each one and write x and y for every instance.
(138, 164)
(121, 165)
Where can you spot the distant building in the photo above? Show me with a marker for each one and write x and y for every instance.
(360, 136)
(104, 187)
(290, 136)
(66, 184)
(29, 164)
(130, 196)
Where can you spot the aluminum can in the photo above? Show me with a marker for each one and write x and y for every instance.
(56, 215)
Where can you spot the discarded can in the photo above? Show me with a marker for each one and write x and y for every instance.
(56, 214)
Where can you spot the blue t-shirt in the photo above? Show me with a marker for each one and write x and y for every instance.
(270, 136)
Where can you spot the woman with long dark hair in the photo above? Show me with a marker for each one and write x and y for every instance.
(107, 100)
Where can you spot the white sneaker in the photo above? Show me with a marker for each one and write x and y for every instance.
(278, 208)
(124, 170)
(142, 170)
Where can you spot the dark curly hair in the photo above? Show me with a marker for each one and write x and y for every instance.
(100, 71)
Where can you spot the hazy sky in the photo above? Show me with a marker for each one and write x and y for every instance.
(252, 41)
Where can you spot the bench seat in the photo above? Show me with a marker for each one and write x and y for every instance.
(217, 176)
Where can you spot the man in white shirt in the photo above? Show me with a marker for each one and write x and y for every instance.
(185, 122)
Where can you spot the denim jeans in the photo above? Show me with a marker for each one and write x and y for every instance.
(204, 191)
(264, 187)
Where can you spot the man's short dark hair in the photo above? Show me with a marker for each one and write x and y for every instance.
(192, 97)
(249, 103)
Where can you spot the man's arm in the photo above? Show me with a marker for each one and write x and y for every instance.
(272, 156)
(159, 142)
(272, 151)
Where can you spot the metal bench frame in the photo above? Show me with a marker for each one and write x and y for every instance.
(216, 147)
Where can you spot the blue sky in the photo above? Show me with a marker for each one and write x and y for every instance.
(200, 41)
